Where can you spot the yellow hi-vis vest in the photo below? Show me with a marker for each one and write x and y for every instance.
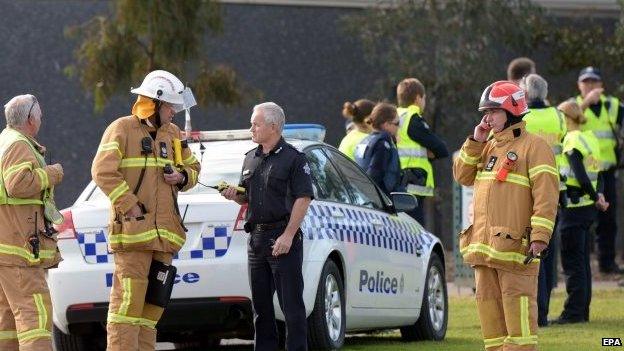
(588, 145)
(350, 141)
(603, 127)
(7, 138)
(412, 154)
(549, 124)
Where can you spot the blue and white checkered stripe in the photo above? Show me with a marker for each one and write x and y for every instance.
(215, 242)
(356, 227)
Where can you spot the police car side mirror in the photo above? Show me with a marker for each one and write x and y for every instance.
(404, 202)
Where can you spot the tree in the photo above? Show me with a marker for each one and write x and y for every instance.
(138, 36)
(453, 46)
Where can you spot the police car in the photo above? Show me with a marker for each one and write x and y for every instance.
(367, 265)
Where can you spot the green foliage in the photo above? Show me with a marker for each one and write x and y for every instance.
(118, 50)
(452, 46)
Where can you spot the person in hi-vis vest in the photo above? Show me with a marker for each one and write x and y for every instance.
(417, 144)
(604, 117)
(548, 123)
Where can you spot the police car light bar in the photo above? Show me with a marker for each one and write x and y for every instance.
(315, 132)
(220, 135)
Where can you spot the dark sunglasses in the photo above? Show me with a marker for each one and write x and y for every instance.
(34, 102)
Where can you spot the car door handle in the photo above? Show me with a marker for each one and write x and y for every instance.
(376, 222)
(337, 214)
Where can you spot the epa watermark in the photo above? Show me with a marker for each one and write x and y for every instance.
(611, 342)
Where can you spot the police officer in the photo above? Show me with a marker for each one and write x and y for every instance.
(278, 190)
(549, 123)
(417, 144)
(516, 188)
(583, 193)
(377, 154)
(27, 244)
(604, 117)
(358, 113)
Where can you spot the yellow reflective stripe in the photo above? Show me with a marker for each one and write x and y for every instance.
(8, 334)
(115, 318)
(43, 178)
(524, 316)
(491, 252)
(193, 176)
(25, 254)
(190, 160)
(113, 145)
(16, 168)
(541, 169)
(470, 160)
(127, 296)
(33, 334)
(146, 236)
(138, 162)
(521, 340)
(42, 313)
(511, 178)
(118, 191)
(494, 342)
(542, 222)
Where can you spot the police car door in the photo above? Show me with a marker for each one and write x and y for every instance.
(385, 272)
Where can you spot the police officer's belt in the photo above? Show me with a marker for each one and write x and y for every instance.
(260, 227)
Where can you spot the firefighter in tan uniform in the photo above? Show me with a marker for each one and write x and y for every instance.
(136, 168)
(516, 190)
(27, 242)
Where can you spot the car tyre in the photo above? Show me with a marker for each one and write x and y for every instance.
(75, 342)
(433, 320)
(326, 324)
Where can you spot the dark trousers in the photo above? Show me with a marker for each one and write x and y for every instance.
(575, 247)
(607, 225)
(418, 213)
(268, 274)
(547, 279)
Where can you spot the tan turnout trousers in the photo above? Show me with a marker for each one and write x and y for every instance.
(25, 309)
(131, 322)
(507, 307)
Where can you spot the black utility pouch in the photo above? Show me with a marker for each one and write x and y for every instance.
(160, 283)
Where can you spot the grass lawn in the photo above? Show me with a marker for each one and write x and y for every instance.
(607, 320)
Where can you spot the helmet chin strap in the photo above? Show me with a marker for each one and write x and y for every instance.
(511, 120)
(157, 120)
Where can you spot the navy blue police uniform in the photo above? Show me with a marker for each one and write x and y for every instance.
(273, 181)
(377, 155)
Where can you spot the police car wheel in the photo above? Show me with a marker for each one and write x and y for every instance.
(326, 324)
(78, 342)
(433, 320)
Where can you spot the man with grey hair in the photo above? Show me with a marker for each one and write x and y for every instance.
(27, 238)
(278, 191)
(549, 123)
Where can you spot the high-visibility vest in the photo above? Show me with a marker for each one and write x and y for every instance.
(603, 127)
(350, 141)
(412, 154)
(549, 123)
(589, 146)
(7, 138)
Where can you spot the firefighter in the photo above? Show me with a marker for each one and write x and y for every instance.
(604, 117)
(358, 113)
(417, 144)
(581, 168)
(134, 166)
(516, 188)
(27, 243)
(377, 154)
(548, 123)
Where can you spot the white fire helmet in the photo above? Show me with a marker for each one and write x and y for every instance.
(164, 86)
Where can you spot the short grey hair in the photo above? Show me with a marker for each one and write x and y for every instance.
(272, 114)
(535, 87)
(16, 111)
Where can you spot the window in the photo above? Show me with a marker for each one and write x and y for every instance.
(325, 179)
(363, 190)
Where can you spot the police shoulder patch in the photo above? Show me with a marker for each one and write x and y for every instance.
(306, 168)
(387, 145)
